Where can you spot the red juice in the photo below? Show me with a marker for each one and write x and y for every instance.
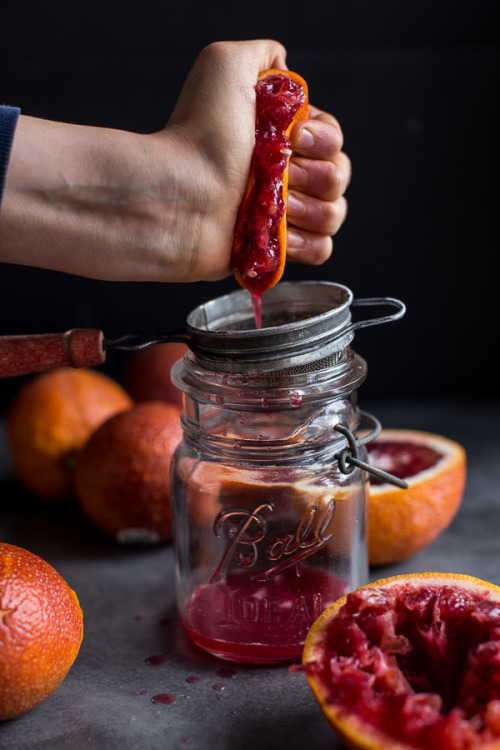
(244, 619)
(257, 308)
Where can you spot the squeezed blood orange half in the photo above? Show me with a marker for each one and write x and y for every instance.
(403, 522)
(259, 246)
(410, 662)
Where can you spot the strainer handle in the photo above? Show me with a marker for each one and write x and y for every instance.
(25, 354)
(377, 301)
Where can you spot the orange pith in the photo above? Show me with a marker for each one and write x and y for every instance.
(410, 662)
(258, 264)
(402, 522)
(49, 421)
(41, 629)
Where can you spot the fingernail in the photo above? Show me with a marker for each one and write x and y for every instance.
(305, 139)
(294, 206)
(295, 239)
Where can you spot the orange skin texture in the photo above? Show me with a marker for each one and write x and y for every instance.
(403, 522)
(123, 473)
(147, 374)
(301, 114)
(41, 629)
(351, 730)
(49, 421)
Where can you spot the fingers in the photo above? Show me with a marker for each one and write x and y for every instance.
(319, 137)
(319, 175)
(310, 214)
(308, 247)
(327, 180)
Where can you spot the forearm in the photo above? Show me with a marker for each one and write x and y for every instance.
(162, 207)
(76, 198)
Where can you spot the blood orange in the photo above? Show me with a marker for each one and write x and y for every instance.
(50, 419)
(402, 522)
(41, 629)
(123, 473)
(259, 246)
(410, 662)
(147, 373)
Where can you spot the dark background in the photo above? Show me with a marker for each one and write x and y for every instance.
(415, 87)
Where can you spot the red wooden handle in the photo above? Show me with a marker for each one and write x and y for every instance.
(80, 347)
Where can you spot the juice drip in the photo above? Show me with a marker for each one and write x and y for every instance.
(257, 308)
(260, 622)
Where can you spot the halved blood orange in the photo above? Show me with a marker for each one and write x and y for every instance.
(402, 522)
(410, 662)
(259, 247)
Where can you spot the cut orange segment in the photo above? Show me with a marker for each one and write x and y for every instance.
(410, 662)
(259, 247)
(402, 522)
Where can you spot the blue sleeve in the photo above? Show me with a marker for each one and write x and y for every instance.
(8, 122)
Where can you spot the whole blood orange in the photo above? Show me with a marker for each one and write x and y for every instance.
(123, 473)
(402, 522)
(410, 662)
(51, 418)
(41, 629)
(259, 246)
(147, 373)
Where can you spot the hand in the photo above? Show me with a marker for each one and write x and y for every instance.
(114, 205)
(220, 91)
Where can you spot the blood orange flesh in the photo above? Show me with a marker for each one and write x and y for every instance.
(402, 459)
(411, 662)
(259, 241)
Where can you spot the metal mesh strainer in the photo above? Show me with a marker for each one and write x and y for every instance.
(306, 326)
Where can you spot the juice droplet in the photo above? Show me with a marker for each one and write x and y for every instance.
(219, 686)
(166, 698)
(192, 679)
(226, 672)
(264, 402)
(295, 399)
(237, 444)
(156, 660)
(219, 400)
(144, 692)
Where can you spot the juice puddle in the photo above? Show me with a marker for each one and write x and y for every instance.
(260, 622)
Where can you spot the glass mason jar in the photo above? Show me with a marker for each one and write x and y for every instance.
(269, 529)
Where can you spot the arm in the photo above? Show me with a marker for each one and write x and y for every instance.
(110, 204)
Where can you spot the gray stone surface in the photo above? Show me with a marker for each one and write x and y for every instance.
(128, 600)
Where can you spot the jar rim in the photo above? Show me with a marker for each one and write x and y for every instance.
(268, 390)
